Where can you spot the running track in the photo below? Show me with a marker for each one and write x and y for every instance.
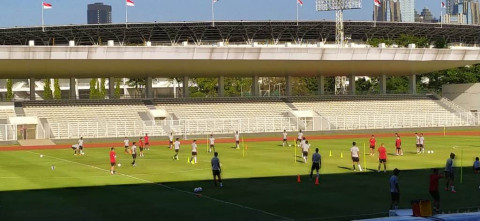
(231, 140)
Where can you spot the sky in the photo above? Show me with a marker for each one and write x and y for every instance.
(64, 12)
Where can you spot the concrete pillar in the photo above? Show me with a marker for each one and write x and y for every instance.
(111, 88)
(412, 84)
(32, 89)
(185, 86)
(255, 86)
(382, 82)
(221, 86)
(148, 87)
(351, 85)
(321, 84)
(288, 85)
(73, 88)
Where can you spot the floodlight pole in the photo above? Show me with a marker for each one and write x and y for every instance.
(339, 33)
(213, 14)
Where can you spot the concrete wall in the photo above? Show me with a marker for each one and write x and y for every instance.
(465, 95)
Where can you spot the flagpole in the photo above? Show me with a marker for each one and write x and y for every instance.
(43, 26)
(296, 1)
(126, 15)
(213, 15)
(375, 8)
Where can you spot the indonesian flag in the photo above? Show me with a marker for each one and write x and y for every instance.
(300, 2)
(377, 3)
(130, 3)
(46, 5)
(443, 5)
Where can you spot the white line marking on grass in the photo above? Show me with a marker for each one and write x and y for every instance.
(172, 188)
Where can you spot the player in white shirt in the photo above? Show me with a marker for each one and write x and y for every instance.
(299, 138)
(417, 142)
(80, 145)
(194, 152)
(177, 149)
(126, 142)
(212, 143)
(302, 142)
(134, 153)
(170, 139)
(355, 156)
(285, 141)
(305, 148)
(237, 140)
(422, 143)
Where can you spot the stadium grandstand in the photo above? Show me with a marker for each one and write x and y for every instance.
(156, 53)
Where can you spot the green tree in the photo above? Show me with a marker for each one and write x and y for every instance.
(440, 42)
(9, 90)
(58, 93)
(206, 86)
(93, 88)
(362, 85)
(103, 90)
(117, 88)
(47, 90)
(397, 84)
(138, 84)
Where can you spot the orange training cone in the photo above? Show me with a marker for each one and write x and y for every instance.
(316, 181)
(246, 147)
(298, 179)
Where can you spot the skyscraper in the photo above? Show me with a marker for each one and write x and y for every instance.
(98, 13)
(407, 10)
(389, 10)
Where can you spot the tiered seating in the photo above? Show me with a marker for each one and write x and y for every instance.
(387, 111)
(229, 115)
(90, 118)
(7, 111)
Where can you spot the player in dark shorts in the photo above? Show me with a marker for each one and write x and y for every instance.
(112, 160)
(433, 189)
(216, 169)
(134, 153)
(316, 162)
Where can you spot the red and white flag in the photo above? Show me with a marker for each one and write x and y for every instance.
(130, 3)
(300, 2)
(443, 5)
(215, 1)
(377, 3)
(46, 5)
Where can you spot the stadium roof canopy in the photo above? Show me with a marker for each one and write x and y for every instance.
(232, 31)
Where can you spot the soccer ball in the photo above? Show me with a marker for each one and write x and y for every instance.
(198, 189)
(429, 151)
(53, 167)
(289, 145)
(432, 151)
(119, 165)
(41, 155)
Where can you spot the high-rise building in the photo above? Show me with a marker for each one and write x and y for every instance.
(426, 15)
(389, 10)
(462, 12)
(98, 13)
(407, 10)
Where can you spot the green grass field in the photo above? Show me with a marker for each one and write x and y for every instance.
(260, 186)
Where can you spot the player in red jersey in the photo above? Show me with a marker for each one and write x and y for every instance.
(372, 145)
(433, 189)
(382, 158)
(398, 145)
(147, 143)
(112, 160)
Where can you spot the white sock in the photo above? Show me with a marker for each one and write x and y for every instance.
(195, 159)
(359, 167)
(453, 188)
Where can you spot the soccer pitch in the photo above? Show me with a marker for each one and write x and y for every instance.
(262, 185)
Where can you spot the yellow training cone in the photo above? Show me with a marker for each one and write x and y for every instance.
(341, 155)
(330, 153)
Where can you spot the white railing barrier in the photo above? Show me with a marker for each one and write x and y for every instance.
(95, 129)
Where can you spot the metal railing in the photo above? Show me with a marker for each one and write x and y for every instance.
(185, 127)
